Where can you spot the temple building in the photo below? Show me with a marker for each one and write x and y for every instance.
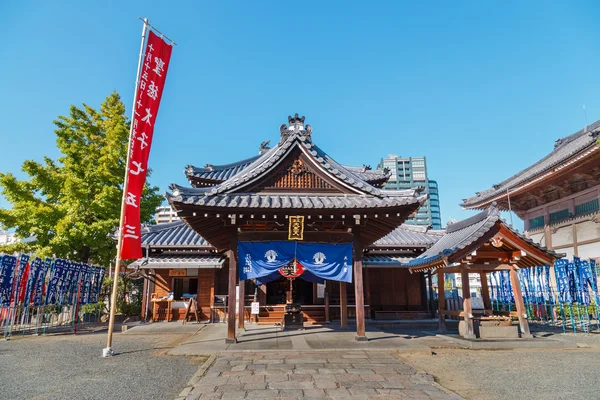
(290, 211)
(557, 197)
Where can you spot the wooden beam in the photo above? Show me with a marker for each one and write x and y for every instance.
(516, 286)
(441, 301)
(491, 254)
(453, 313)
(485, 291)
(343, 306)
(359, 293)
(468, 310)
(478, 268)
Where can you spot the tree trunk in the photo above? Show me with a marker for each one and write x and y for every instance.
(85, 254)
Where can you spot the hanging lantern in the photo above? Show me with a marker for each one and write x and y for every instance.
(292, 270)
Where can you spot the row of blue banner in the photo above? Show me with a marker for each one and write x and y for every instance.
(576, 282)
(262, 260)
(63, 282)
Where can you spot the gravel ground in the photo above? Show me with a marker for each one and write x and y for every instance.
(514, 374)
(71, 367)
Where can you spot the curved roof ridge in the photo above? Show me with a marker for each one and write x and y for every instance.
(491, 211)
(467, 232)
(212, 167)
(421, 228)
(226, 171)
(274, 155)
(563, 149)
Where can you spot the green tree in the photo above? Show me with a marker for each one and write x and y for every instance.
(71, 205)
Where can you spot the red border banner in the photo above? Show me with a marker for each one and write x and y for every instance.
(150, 87)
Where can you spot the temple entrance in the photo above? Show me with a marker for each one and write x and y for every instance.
(302, 291)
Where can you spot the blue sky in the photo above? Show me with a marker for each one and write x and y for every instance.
(482, 89)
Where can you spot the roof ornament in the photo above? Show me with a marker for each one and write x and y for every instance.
(558, 142)
(264, 146)
(296, 125)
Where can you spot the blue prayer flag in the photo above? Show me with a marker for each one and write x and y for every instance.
(7, 269)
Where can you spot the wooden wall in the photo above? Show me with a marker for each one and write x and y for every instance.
(396, 289)
(207, 278)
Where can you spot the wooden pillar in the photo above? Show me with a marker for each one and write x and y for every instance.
(327, 319)
(359, 292)
(485, 291)
(467, 309)
(366, 272)
(241, 304)
(431, 294)
(343, 306)
(441, 301)
(231, 255)
(262, 294)
(516, 286)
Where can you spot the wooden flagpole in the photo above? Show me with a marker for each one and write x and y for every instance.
(108, 351)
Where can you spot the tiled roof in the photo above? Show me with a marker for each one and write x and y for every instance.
(198, 196)
(174, 234)
(220, 173)
(458, 236)
(179, 261)
(370, 175)
(229, 194)
(180, 235)
(385, 260)
(415, 235)
(463, 233)
(564, 149)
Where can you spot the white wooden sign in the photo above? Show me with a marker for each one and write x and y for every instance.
(320, 290)
(255, 310)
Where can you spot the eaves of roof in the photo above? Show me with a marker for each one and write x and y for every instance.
(565, 149)
(458, 236)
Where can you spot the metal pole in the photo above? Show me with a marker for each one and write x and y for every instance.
(113, 302)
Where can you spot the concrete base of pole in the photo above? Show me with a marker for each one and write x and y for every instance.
(107, 352)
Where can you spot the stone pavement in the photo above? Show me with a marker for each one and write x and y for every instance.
(308, 374)
(211, 339)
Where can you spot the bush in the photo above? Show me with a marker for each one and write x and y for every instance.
(129, 294)
(97, 308)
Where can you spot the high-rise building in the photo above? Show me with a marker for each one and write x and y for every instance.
(165, 214)
(7, 238)
(411, 172)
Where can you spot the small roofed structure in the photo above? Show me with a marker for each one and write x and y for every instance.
(481, 244)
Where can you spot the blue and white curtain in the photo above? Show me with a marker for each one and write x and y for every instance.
(262, 260)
